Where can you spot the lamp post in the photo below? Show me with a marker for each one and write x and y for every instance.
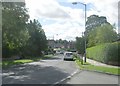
(74, 3)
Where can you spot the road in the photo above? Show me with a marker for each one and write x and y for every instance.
(90, 77)
(54, 71)
(48, 71)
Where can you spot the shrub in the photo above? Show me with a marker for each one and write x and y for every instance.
(106, 53)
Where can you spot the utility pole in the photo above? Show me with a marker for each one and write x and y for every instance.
(85, 24)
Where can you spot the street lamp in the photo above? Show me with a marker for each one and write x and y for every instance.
(74, 3)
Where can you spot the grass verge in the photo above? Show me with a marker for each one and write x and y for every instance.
(88, 66)
(6, 64)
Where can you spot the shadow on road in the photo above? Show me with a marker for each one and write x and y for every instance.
(53, 58)
(32, 74)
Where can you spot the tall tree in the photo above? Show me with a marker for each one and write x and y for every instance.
(102, 34)
(94, 21)
(80, 44)
(99, 30)
(14, 33)
(37, 41)
(105, 34)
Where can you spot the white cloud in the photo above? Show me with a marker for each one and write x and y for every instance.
(70, 22)
(63, 30)
(108, 8)
(47, 9)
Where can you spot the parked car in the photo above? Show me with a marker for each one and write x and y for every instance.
(68, 56)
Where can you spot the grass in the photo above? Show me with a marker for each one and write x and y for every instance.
(15, 62)
(6, 64)
(88, 66)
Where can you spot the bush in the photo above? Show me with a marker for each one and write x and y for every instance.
(7, 52)
(106, 53)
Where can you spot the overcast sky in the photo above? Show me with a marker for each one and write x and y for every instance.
(61, 19)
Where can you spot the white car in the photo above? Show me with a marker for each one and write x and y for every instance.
(68, 56)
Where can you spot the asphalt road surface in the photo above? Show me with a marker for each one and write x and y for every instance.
(47, 71)
(54, 71)
(90, 77)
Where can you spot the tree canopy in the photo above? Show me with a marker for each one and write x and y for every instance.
(94, 21)
(80, 44)
(102, 34)
(18, 34)
(99, 30)
(14, 33)
(37, 41)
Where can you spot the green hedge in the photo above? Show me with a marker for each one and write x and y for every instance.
(106, 53)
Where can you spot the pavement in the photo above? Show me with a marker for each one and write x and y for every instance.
(93, 62)
(96, 63)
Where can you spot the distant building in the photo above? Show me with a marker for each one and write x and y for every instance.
(53, 44)
(71, 45)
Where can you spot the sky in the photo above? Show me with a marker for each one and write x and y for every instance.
(60, 19)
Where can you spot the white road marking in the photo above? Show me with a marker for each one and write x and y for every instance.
(67, 77)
